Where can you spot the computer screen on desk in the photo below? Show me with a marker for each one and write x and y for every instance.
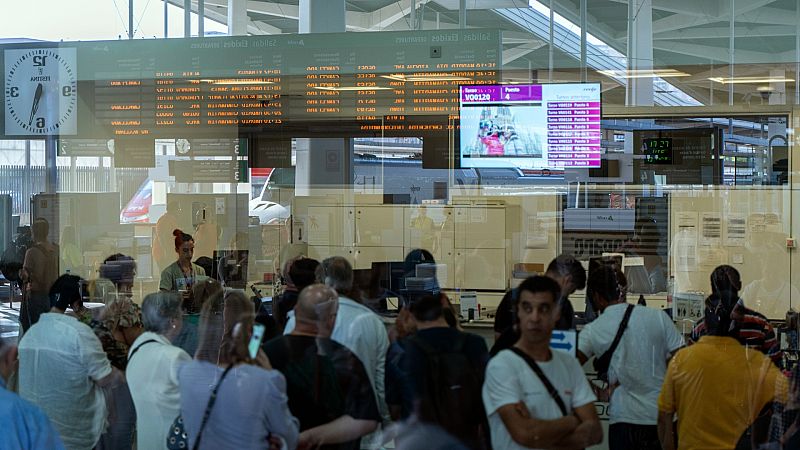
(230, 267)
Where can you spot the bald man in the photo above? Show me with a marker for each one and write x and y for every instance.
(328, 388)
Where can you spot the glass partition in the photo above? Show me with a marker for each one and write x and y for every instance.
(436, 149)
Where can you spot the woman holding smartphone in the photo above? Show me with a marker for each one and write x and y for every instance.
(250, 410)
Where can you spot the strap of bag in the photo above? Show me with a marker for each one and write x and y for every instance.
(140, 346)
(622, 326)
(429, 350)
(546, 382)
(211, 402)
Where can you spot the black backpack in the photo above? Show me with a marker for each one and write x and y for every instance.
(453, 391)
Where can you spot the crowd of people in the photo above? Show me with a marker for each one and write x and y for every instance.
(330, 374)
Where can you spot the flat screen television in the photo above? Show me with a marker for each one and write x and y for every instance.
(530, 126)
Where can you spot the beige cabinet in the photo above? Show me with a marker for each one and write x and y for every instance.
(320, 252)
(365, 256)
(330, 225)
(480, 268)
(479, 251)
(480, 227)
(379, 226)
(431, 229)
(468, 242)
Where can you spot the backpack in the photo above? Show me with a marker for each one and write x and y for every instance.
(453, 390)
(52, 261)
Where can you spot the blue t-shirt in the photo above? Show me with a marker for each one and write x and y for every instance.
(25, 426)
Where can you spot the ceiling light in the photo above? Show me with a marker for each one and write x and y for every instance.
(750, 80)
(234, 81)
(352, 88)
(425, 77)
(644, 73)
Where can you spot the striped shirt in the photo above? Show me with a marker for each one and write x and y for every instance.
(754, 331)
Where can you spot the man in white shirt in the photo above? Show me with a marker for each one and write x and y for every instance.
(522, 412)
(359, 329)
(638, 364)
(62, 370)
(25, 426)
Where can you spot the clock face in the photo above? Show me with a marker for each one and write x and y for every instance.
(41, 91)
(182, 145)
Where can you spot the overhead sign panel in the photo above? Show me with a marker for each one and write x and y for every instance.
(182, 88)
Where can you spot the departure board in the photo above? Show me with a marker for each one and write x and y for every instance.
(209, 86)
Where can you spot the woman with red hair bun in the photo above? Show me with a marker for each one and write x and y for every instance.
(181, 275)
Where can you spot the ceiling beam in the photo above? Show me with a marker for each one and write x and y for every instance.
(384, 17)
(573, 14)
(514, 53)
(768, 16)
(741, 6)
(274, 9)
(264, 28)
(518, 37)
(453, 5)
(693, 8)
(254, 28)
(724, 32)
(764, 15)
(680, 22)
(710, 52)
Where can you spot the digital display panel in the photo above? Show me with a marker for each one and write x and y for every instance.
(657, 150)
(402, 83)
(531, 126)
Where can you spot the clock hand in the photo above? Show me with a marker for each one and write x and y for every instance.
(35, 106)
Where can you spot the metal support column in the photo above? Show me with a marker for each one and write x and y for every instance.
(639, 90)
(166, 19)
(237, 17)
(51, 174)
(413, 15)
(583, 39)
(201, 15)
(130, 20)
(187, 18)
(323, 164)
(550, 49)
(731, 38)
(462, 14)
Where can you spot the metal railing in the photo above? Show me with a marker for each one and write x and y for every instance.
(23, 182)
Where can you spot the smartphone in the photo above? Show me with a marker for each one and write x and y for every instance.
(255, 340)
(266, 304)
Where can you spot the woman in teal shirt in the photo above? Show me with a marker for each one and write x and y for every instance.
(182, 274)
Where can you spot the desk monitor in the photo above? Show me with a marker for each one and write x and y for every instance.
(600, 261)
(230, 268)
(390, 274)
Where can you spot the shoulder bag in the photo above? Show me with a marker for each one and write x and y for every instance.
(603, 362)
(543, 378)
(177, 438)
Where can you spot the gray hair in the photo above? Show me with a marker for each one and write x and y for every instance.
(158, 309)
(338, 274)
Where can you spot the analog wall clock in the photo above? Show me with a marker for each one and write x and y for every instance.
(41, 91)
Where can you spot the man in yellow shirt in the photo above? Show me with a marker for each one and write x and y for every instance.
(717, 387)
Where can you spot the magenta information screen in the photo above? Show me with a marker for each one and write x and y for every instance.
(533, 126)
